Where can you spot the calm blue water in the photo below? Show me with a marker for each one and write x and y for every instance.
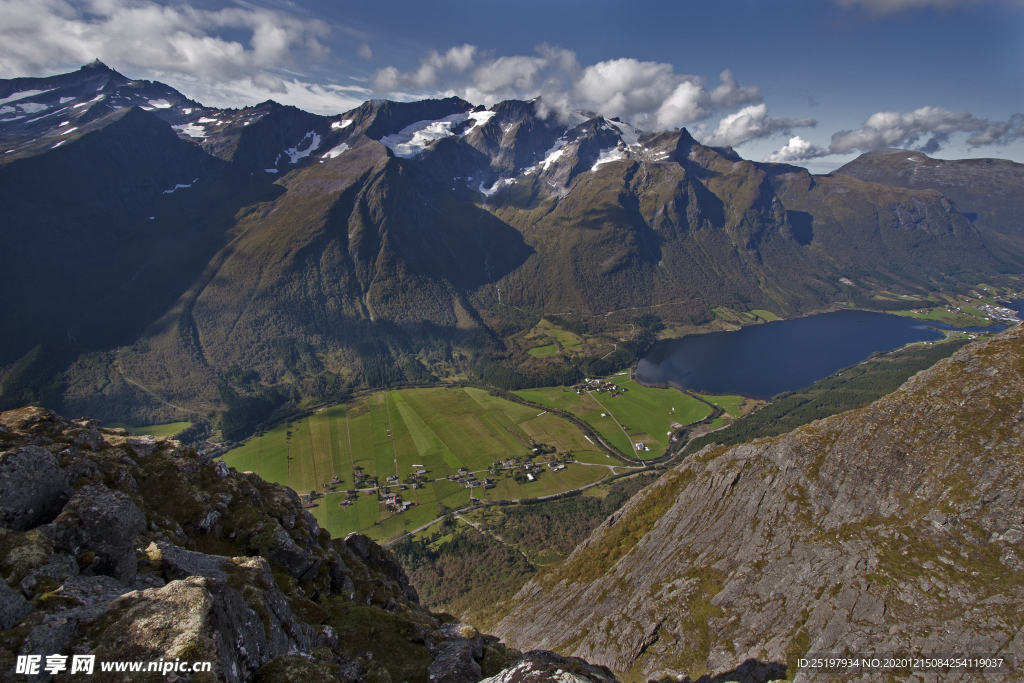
(764, 360)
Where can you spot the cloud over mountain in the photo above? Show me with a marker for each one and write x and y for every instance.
(892, 129)
(797, 149)
(750, 123)
(232, 56)
(651, 95)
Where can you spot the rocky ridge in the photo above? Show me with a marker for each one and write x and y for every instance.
(140, 549)
(891, 529)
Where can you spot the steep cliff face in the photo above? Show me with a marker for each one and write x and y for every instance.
(894, 528)
(139, 549)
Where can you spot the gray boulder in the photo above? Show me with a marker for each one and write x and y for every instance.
(57, 569)
(142, 445)
(98, 526)
(33, 488)
(457, 650)
(178, 563)
(541, 666)
(13, 606)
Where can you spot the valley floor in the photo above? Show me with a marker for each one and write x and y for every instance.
(346, 453)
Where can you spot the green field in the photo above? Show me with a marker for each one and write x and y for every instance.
(388, 433)
(568, 340)
(968, 317)
(168, 429)
(543, 351)
(764, 315)
(730, 404)
(647, 412)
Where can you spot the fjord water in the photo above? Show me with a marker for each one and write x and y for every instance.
(764, 360)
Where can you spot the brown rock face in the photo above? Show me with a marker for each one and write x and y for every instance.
(892, 529)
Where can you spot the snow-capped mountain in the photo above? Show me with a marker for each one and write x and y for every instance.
(197, 241)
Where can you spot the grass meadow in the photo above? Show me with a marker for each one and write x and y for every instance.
(169, 429)
(646, 412)
(389, 433)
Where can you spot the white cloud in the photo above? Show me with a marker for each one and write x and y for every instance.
(364, 51)
(1000, 133)
(797, 149)
(750, 123)
(432, 69)
(650, 95)
(177, 44)
(312, 97)
(892, 129)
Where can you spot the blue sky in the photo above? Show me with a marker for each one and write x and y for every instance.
(814, 82)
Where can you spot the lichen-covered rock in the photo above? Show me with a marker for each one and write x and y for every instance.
(142, 445)
(32, 487)
(98, 526)
(58, 568)
(184, 619)
(540, 666)
(457, 650)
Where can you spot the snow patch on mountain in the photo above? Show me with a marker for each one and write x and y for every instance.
(552, 155)
(294, 153)
(337, 151)
(495, 187)
(192, 130)
(45, 116)
(338, 125)
(33, 107)
(628, 133)
(207, 120)
(159, 104)
(479, 118)
(22, 95)
(607, 156)
(414, 138)
(65, 100)
(179, 186)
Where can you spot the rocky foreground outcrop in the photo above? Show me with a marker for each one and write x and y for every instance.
(892, 529)
(139, 549)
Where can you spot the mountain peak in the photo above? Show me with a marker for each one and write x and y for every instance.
(97, 65)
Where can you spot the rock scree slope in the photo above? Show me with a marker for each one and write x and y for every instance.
(892, 529)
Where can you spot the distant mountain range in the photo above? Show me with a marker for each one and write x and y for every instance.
(246, 258)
